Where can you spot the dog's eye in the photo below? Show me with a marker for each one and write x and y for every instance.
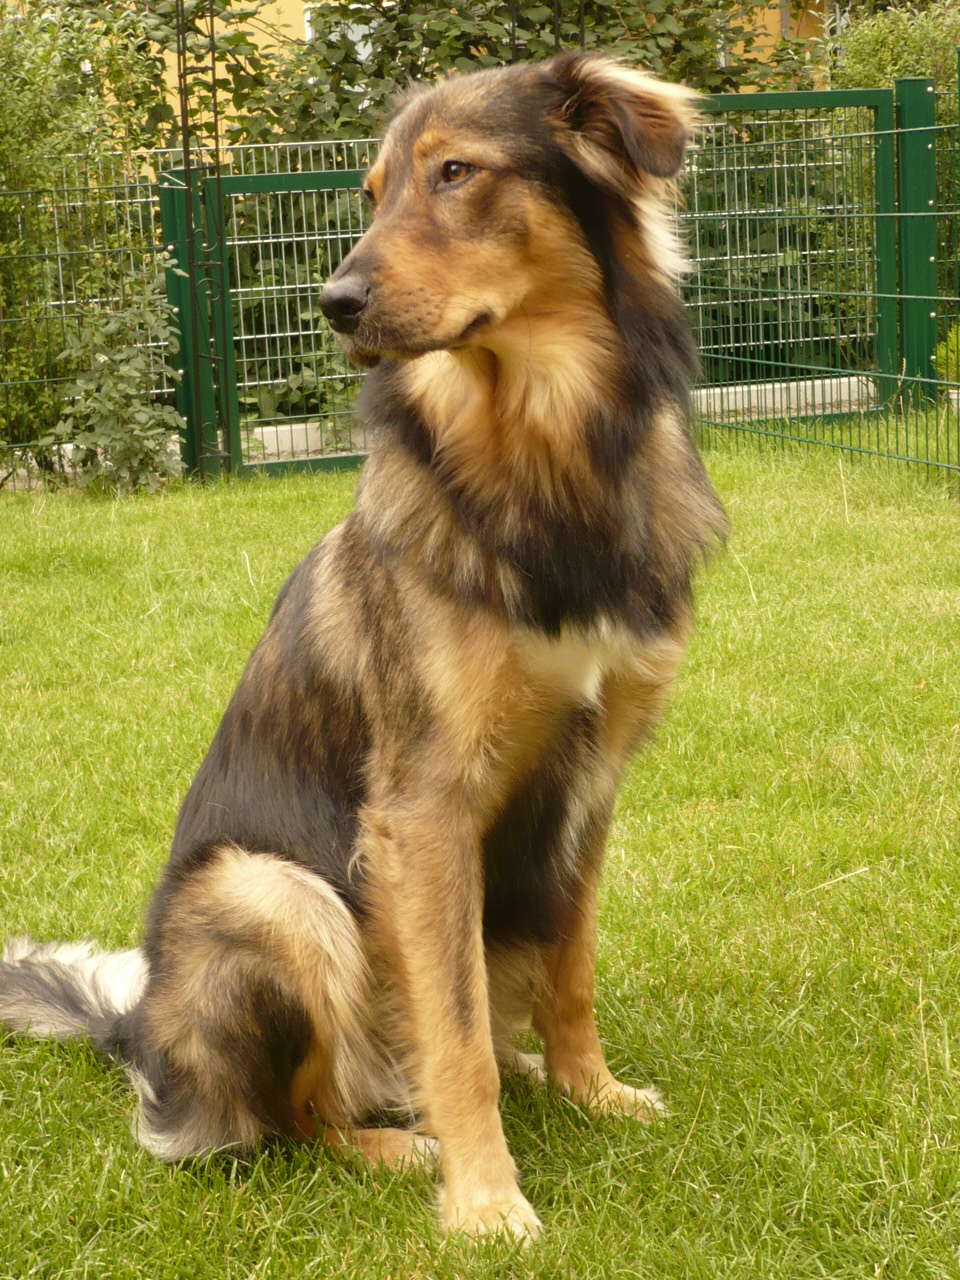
(456, 170)
(370, 200)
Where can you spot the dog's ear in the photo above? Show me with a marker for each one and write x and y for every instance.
(617, 124)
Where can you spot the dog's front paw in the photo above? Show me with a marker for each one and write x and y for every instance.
(511, 1214)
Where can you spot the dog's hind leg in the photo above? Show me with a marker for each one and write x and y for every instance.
(391, 1147)
(254, 1016)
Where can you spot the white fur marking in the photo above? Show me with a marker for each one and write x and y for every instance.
(109, 983)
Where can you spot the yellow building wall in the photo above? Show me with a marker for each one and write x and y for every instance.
(799, 22)
(287, 17)
(288, 20)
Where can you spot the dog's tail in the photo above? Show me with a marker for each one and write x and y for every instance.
(67, 991)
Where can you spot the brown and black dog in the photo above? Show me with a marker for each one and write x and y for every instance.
(388, 862)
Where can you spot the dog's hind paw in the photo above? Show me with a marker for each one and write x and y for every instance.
(393, 1148)
(600, 1091)
(516, 1062)
(642, 1104)
(645, 1104)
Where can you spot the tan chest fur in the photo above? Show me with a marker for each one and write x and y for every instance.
(499, 693)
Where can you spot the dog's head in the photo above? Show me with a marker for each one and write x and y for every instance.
(506, 192)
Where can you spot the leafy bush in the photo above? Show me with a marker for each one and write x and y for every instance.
(371, 50)
(73, 79)
(948, 357)
(341, 83)
(113, 430)
(74, 82)
(875, 49)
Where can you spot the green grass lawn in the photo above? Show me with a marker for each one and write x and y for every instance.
(780, 943)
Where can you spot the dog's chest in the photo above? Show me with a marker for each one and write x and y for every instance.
(554, 808)
(573, 666)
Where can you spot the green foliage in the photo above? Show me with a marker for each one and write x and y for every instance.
(129, 70)
(373, 51)
(362, 54)
(74, 78)
(48, 108)
(948, 357)
(69, 259)
(113, 429)
(96, 71)
(75, 82)
(242, 66)
(875, 50)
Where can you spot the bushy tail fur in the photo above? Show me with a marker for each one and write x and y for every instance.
(67, 991)
(255, 1019)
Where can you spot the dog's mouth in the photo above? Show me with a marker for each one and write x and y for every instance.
(477, 323)
(367, 357)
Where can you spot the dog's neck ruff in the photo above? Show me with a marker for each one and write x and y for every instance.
(528, 525)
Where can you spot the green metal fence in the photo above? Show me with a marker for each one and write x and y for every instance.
(284, 399)
(791, 203)
(824, 230)
(65, 252)
(824, 233)
(73, 250)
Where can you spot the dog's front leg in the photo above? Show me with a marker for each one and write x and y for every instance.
(427, 887)
(564, 1017)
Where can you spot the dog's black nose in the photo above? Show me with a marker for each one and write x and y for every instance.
(343, 301)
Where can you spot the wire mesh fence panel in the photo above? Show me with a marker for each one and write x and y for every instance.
(942, 432)
(68, 254)
(294, 387)
(283, 234)
(825, 289)
(793, 265)
(300, 157)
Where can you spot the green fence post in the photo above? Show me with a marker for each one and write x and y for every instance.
(222, 317)
(174, 239)
(196, 394)
(917, 222)
(886, 249)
